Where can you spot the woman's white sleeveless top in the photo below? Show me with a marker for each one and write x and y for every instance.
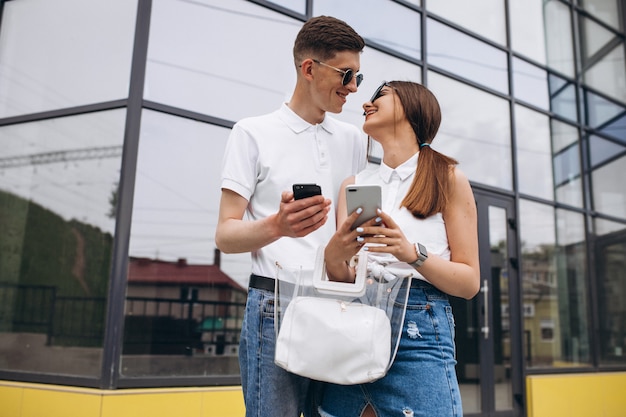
(430, 232)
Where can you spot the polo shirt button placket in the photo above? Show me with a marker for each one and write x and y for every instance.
(322, 151)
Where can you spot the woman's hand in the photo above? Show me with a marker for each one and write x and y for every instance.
(388, 238)
(344, 244)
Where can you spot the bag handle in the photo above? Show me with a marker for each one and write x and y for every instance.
(326, 286)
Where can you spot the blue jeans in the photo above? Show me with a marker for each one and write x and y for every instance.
(268, 389)
(422, 380)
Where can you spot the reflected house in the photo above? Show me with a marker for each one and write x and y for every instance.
(541, 309)
(191, 309)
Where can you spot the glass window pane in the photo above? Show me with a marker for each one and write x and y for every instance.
(57, 193)
(563, 135)
(534, 157)
(601, 150)
(229, 86)
(485, 17)
(530, 84)
(608, 75)
(573, 296)
(606, 10)
(559, 37)
(593, 38)
(563, 97)
(554, 289)
(64, 53)
(606, 227)
(609, 193)
(373, 19)
(527, 29)
(566, 162)
(610, 264)
(616, 127)
(475, 129)
(499, 287)
(468, 57)
(185, 300)
(606, 116)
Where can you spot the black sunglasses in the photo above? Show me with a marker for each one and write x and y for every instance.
(347, 74)
(378, 91)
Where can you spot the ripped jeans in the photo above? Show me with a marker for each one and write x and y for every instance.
(422, 380)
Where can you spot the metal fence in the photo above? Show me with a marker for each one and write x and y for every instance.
(152, 325)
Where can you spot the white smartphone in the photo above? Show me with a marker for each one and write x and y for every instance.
(366, 196)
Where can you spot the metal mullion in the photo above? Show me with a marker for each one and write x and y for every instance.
(424, 43)
(187, 114)
(66, 112)
(283, 10)
(114, 326)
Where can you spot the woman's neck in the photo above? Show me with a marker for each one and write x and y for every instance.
(397, 151)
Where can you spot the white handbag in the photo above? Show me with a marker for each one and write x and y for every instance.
(335, 331)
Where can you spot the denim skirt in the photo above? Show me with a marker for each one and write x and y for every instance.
(422, 379)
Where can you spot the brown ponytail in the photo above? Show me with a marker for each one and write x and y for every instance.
(430, 189)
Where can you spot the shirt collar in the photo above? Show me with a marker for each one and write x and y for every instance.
(404, 170)
(297, 123)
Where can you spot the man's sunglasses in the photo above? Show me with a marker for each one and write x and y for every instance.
(347, 74)
(379, 90)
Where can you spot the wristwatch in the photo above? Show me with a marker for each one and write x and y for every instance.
(422, 255)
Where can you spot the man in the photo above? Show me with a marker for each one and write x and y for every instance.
(264, 157)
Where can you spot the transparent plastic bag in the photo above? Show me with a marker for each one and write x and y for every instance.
(344, 333)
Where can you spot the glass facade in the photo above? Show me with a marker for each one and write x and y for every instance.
(114, 116)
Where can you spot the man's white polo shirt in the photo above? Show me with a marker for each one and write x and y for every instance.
(266, 155)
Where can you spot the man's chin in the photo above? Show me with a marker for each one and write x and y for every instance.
(335, 110)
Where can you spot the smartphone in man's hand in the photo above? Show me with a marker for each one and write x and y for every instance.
(306, 190)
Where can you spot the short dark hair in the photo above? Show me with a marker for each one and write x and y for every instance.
(322, 37)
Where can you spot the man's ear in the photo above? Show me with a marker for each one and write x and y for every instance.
(306, 68)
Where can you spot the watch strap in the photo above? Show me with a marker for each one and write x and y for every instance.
(422, 255)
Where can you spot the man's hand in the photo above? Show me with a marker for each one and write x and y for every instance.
(293, 219)
(298, 218)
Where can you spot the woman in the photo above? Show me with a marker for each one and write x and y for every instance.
(427, 228)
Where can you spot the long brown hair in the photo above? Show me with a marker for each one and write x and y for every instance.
(431, 185)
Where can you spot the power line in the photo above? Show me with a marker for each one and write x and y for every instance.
(61, 156)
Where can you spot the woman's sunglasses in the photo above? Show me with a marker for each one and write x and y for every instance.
(379, 90)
